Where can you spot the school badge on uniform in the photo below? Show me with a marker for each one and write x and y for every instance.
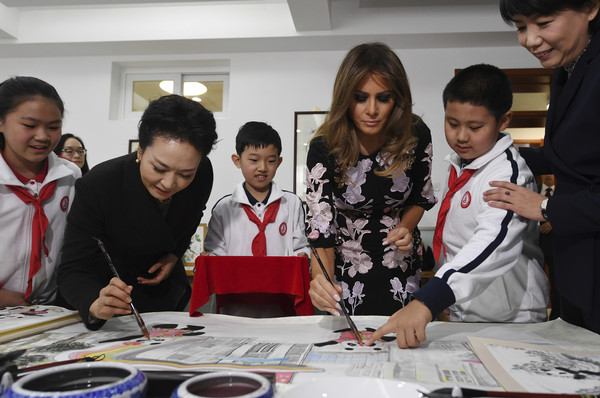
(282, 228)
(466, 200)
(64, 203)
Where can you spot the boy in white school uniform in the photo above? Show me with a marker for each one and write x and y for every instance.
(233, 228)
(258, 218)
(492, 270)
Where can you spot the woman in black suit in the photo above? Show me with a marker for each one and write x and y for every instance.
(563, 34)
(144, 206)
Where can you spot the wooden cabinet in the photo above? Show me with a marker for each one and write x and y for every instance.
(531, 96)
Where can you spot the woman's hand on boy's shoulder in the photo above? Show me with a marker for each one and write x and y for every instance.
(508, 196)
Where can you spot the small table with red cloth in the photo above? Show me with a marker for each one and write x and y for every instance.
(224, 275)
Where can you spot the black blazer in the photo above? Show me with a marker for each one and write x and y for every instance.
(571, 152)
(112, 204)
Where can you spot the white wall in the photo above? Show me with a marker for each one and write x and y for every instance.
(268, 87)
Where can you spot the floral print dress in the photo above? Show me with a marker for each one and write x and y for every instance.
(355, 217)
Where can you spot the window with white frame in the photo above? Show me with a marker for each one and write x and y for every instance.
(210, 89)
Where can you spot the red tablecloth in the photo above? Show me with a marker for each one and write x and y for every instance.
(247, 274)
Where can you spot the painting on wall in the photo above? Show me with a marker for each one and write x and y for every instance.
(196, 246)
(133, 145)
(305, 126)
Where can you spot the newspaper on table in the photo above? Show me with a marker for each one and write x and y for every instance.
(296, 349)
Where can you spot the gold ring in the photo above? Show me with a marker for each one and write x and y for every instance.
(507, 192)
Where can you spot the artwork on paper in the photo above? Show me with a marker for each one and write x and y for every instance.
(348, 341)
(536, 368)
(26, 320)
(25, 315)
(295, 349)
(198, 344)
(196, 246)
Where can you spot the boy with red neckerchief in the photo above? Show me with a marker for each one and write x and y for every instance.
(492, 270)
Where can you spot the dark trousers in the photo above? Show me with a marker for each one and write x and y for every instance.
(574, 315)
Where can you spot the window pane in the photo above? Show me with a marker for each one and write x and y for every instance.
(211, 99)
(146, 91)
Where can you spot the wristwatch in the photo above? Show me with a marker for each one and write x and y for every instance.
(543, 208)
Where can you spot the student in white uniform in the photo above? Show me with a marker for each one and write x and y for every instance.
(257, 203)
(492, 270)
(36, 190)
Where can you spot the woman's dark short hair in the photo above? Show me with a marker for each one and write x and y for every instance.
(175, 117)
(18, 89)
(509, 9)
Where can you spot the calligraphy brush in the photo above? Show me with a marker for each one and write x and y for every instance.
(138, 318)
(469, 392)
(353, 327)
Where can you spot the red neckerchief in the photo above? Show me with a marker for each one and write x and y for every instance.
(259, 243)
(453, 186)
(40, 221)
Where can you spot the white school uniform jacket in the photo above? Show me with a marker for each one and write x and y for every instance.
(16, 224)
(230, 231)
(493, 270)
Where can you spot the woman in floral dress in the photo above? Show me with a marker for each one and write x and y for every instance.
(369, 183)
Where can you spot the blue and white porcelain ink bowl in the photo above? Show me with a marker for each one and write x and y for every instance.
(225, 384)
(82, 380)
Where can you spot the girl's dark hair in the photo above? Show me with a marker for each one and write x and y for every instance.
(18, 89)
(509, 9)
(61, 144)
(178, 118)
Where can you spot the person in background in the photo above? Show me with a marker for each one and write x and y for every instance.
(258, 219)
(71, 147)
(36, 190)
(145, 207)
(492, 270)
(368, 185)
(563, 34)
(547, 189)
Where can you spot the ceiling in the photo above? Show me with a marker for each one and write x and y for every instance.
(117, 27)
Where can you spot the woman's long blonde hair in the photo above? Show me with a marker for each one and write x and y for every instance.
(338, 129)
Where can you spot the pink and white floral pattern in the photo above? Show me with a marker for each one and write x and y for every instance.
(354, 217)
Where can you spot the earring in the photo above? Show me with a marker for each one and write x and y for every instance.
(137, 160)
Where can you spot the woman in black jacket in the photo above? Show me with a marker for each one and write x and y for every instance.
(565, 35)
(144, 206)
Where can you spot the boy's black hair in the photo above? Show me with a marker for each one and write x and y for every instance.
(481, 85)
(509, 9)
(257, 135)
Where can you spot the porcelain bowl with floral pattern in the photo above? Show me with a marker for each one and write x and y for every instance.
(225, 384)
(82, 380)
